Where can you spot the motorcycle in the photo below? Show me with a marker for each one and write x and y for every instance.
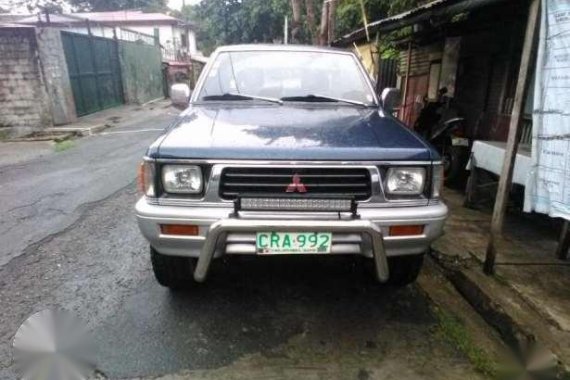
(454, 148)
(439, 124)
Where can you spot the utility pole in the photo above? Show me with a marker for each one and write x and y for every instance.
(225, 5)
(364, 20)
(286, 31)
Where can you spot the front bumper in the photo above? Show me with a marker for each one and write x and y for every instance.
(221, 234)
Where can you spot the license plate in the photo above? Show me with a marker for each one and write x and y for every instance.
(459, 141)
(272, 243)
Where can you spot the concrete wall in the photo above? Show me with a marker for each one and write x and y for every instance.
(23, 97)
(141, 71)
(55, 75)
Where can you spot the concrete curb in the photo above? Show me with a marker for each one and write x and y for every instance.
(80, 131)
(58, 134)
(153, 101)
(48, 137)
(494, 302)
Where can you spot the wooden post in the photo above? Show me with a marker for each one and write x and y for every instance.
(564, 242)
(505, 180)
(471, 188)
(409, 64)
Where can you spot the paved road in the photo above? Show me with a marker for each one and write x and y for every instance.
(69, 239)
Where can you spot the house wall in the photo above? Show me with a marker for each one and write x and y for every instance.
(484, 68)
(169, 35)
(488, 64)
(96, 30)
(417, 87)
(55, 75)
(25, 106)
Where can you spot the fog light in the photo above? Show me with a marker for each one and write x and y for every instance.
(406, 230)
(179, 229)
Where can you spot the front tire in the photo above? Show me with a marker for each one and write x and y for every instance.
(455, 159)
(171, 271)
(404, 270)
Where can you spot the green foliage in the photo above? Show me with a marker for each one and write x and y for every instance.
(349, 14)
(221, 22)
(237, 21)
(34, 6)
(61, 146)
(455, 332)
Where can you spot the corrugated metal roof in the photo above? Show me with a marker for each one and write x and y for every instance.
(422, 13)
(122, 16)
(117, 17)
(10, 17)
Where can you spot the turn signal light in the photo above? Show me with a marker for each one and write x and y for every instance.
(141, 178)
(406, 230)
(179, 229)
(145, 179)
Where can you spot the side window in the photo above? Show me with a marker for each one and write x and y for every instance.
(219, 79)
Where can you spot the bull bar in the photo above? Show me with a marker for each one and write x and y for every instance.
(223, 226)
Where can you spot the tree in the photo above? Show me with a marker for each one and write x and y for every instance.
(311, 26)
(296, 22)
(222, 22)
(34, 6)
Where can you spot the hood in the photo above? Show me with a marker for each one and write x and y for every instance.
(289, 132)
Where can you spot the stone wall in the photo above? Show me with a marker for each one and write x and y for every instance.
(55, 75)
(23, 97)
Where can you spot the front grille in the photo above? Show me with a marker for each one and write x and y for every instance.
(351, 183)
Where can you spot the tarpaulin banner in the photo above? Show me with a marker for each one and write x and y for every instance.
(548, 183)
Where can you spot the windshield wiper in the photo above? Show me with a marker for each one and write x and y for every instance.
(234, 96)
(321, 98)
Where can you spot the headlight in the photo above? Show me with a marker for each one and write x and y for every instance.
(146, 179)
(182, 179)
(405, 181)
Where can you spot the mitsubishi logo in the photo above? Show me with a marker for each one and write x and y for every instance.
(296, 185)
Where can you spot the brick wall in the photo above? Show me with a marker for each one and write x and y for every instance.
(55, 75)
(23, 97)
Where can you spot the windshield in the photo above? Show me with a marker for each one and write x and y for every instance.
(285, 74)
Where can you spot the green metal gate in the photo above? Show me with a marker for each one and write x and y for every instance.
(94, 72)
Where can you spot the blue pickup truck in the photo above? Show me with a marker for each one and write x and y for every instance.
(288, 150)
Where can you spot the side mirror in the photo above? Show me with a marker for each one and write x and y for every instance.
(391, 99)
(180, 95)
